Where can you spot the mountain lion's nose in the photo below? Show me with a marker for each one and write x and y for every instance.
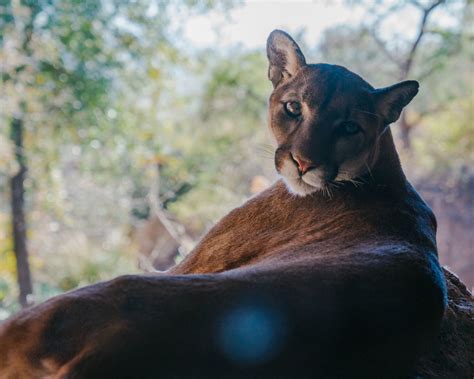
(303, 166)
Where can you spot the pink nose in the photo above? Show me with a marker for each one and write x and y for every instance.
(303, 166)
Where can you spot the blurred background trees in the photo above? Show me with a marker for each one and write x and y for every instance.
(121, 142)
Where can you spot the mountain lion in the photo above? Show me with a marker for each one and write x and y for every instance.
(331, 272)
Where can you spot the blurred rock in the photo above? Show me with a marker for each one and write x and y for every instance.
(158, 243)
(454, 210)
(453, 354)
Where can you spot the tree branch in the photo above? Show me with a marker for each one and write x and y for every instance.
(421, 31)
(384, 49)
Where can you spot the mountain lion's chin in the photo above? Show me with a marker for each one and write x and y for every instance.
(302, 186)
(298, 187)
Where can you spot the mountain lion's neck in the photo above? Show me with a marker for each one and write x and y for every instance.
(386, 169)
(276, 218)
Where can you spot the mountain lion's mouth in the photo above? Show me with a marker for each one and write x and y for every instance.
(312, 181)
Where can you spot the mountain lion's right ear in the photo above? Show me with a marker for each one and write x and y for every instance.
(390, 101)
(284, 56)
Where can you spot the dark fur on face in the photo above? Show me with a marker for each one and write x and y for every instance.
(326, 120)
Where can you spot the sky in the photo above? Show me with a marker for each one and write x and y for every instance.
(250, 23)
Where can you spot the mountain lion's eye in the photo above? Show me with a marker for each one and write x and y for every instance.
(349, 128)
(293, 108)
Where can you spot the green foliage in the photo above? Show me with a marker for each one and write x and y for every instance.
(449, 155)
(71, 70)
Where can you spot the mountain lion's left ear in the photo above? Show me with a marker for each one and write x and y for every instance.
(284, 56)
(390, 101)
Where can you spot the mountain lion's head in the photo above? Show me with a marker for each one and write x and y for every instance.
(326, 120)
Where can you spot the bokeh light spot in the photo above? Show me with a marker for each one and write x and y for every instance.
(251, 334)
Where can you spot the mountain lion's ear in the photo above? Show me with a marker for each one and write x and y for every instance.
(390, 101)
(284, 56)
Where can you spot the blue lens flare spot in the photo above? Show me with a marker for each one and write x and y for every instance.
(251, 334)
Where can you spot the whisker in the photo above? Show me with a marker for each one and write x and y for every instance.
(265, 147)
(356, 183)
(368, 169)
(265, 156)
(265, 151)
(330, 193)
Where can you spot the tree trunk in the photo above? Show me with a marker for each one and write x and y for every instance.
(405, 129)
(18, 215)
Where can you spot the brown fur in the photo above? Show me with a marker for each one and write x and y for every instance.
(346, 277)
